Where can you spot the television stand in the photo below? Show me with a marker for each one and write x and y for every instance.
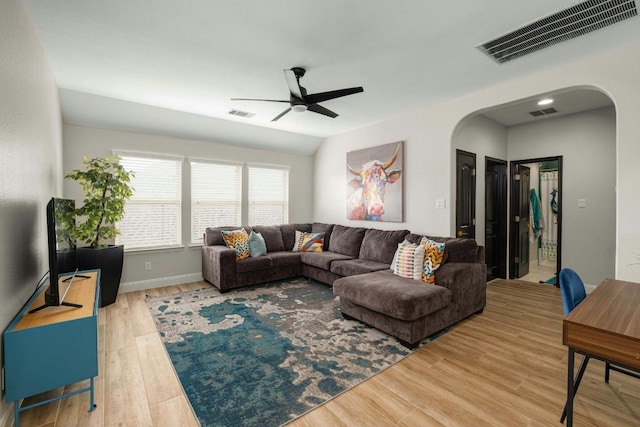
(48, 349)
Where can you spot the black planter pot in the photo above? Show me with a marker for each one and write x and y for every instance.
(109, 260)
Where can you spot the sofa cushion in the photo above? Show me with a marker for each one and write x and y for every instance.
(351, 267)
(272, 237)
(395, 296)
(253, 264)
(322, 260)
(346, 240)
(459, 250)
(381, 245)
(213, 235)
(288, 233)
(279, 259)
(319, 227)
(456, 249)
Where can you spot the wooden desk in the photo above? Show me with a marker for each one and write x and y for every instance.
(605, 326)
(53, 347)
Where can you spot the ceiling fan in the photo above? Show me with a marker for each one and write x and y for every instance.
(300, 101)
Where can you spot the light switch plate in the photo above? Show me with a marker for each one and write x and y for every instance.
(582, 203)
(441, 203)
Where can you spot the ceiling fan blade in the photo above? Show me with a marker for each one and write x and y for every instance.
(332, 94)
(292, 82)
(253, 99)
(321, 110)
(281, 114)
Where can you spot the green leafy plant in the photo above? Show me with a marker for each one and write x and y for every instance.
(106, 186)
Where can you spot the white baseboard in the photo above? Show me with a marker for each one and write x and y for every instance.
(589, 288)
(160, 282)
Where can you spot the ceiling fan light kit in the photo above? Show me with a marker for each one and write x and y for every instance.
(299, 101)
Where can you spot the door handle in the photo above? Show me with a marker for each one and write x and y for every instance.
(461, 233)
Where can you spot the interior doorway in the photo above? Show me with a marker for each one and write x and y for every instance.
(536, 220)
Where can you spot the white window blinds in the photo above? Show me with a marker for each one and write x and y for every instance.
(216, 196)
(152, 216)
(268, 195)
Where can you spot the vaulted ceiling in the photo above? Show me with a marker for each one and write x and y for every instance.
(172, 67)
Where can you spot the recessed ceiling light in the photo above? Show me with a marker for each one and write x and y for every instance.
(545, 101)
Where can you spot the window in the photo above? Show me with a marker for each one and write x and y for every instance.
(216, 196)
(268, 195)
(152, 216)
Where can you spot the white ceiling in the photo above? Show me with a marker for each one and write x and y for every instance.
(172, 67)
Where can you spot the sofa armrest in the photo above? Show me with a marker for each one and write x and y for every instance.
(468, 285)
(219, 266)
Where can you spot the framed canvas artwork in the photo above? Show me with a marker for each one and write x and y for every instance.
(374, 183)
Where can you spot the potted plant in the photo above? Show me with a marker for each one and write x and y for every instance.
(106, 186)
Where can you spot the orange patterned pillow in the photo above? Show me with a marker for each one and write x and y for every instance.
(238, 240)
(433, 257)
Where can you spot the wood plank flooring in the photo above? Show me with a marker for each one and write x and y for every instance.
(504, 367)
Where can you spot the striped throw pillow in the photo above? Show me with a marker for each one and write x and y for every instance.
(409, 261)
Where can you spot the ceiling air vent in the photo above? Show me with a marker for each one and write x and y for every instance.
(544, 112)
(241, 113)
(569, 23)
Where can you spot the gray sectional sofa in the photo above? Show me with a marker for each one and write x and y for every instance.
(356, 262)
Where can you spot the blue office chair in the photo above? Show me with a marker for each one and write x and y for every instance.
(572, 289)
(573, 293)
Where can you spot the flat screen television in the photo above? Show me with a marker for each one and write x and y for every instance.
(63, 259)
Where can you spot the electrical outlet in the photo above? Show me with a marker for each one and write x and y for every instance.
(147, 266)
(441, 203)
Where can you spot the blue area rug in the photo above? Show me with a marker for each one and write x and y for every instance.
(264, 355)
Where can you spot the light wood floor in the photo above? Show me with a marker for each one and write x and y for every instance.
(504, 367)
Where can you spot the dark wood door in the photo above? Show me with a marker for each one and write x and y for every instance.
(495, 235)
(520, 204)
(465, 194)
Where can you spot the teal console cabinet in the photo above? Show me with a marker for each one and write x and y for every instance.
(55, 346)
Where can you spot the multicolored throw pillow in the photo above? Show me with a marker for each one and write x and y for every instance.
(433, 257)
(312, 242)
(409, 261)
(238, 240)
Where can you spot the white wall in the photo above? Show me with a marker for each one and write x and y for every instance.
(425, 175)
(181, 265)
(30, 161)
(586, 142)
(430, 154)
(485, 138)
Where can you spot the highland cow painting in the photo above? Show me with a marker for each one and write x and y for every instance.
(374, 183)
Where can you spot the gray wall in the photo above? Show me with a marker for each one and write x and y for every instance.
(30, 161)
(184, 264)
